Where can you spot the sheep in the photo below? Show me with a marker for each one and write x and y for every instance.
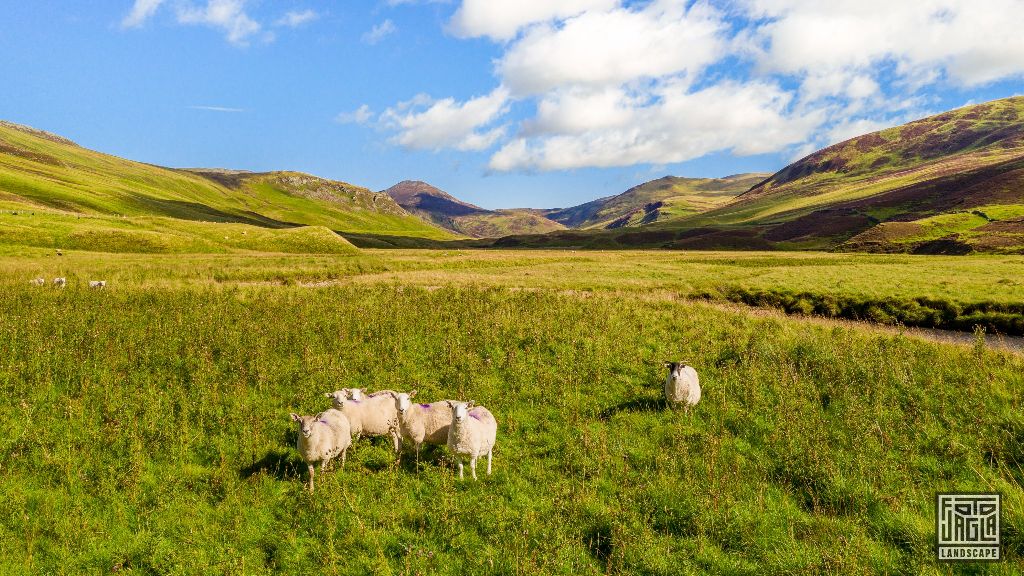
(321, 438)
(681, 386)
(369, 415)
(60, 282)
(97, 284)
(472, 433)
(422, 423)
(37, 282)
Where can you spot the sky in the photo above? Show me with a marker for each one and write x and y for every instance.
(525, 103)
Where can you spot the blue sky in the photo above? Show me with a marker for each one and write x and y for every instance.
(540, 103)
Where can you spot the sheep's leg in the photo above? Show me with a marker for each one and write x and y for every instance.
(489, 462)
(460, 468)
(311, 471)
(343, 454)
(418, 446)
(472, 466)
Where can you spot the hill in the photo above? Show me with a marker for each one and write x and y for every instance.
(951, 183)
(443, 209)
(655, 201)
(54, 193)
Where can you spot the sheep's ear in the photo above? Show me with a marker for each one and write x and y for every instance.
(328, 395)
(470, 404)
(413, 394)
(363, 390)
(295, 417)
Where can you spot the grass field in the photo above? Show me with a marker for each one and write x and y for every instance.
(146, 431)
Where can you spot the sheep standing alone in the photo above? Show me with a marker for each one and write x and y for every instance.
(422, 423)
(38, 282)
(472, 433)
(369, 415)
(321, 438)
(60, 282)
(682, 385)
(97, 284)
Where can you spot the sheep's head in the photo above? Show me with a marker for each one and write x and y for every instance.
(337, 398)
(354, 393)
(461, 409)
(403, 400)
(305, 424)
(675, 368)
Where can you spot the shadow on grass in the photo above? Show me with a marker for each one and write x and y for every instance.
(275, 463)
(642, 404)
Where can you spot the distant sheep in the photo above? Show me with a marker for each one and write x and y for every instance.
(322, 438)
(422, 423)
(472, 433)
(369, 415)
(97, 284)
(682, 387)
(60, 282)
(37, 282)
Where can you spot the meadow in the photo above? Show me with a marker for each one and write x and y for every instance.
(146, 431)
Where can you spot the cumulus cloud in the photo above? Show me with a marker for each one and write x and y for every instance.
(296, 18)
(141, 11)
(673, 124)
(227, 15)
(427, 124)
(380, 32)
(616, 83)
(600, 48)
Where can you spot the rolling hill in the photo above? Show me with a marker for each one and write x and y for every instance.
(439, 207)
(952, 183)
(54, 193)
(655, 201)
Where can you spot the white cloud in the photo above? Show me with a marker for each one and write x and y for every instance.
(380, 32)
(426, 124)
(228, 15)
(973, 41)
(675, 125)
(142, 10)
(616, 83)
(503, 20)
(294, 18)
(360, 115)
(603, 48)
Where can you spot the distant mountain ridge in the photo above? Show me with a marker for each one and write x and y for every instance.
(443, 209)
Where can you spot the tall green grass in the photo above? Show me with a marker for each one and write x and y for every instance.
(145, 430)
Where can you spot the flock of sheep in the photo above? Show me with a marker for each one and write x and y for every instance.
(62, 282)
(468, 430)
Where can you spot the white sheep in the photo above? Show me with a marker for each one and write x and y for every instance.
(682, 385)
(369, 415)
(472, 433)
(60, 282)
(37, 282)
(321, 438)
(97, 284)
(422, 423)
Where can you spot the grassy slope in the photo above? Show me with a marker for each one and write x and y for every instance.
(52, 183)
(152, 436)
(657, 200)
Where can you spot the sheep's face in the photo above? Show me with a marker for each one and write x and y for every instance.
(337, 398)
(460, 410)
(675, 369)
(403, 402)
(354, 394)
(305, 424)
